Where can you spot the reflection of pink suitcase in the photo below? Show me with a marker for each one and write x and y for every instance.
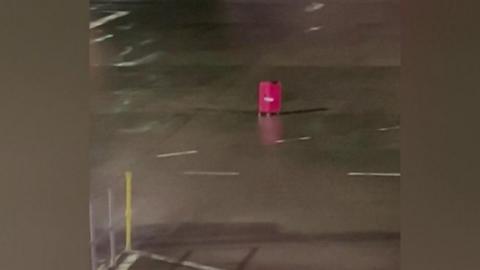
(269, 97)
(270, 129)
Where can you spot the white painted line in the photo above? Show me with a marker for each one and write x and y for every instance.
(170, 260)
(314, 28)
(100, 39)
(125, 27)
(104, 266)
(305, 138)
(373, 174)
(198, 266)
(140, 129)
(97, 6)
(389, 128)
(314, 7)
(162, 258)
(108, 18)
(127, 263)
(143, 60)
(117, 257)
(146, 42)
(174, 154)
(211, 173)
(127, 50)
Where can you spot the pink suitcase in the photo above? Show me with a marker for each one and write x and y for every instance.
(269, 97)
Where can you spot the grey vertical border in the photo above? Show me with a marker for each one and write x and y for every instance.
(440, 135)
(44, 135)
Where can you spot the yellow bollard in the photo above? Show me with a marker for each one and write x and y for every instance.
(128, 210)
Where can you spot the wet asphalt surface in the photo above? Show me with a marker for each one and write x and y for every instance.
(176, 76)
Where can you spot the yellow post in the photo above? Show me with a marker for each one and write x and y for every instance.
(128, 210)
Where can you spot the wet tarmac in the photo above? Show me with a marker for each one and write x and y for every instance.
(174, 100)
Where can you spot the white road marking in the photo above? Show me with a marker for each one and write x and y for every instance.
(127, 263)
(174, 154)
(108, 18)
(100, 39)
(170, 260)
(104, 266)
(373, 174)
(146, 42)
(306, 138)
(127, 50)
(389, 128)
(140, 61)
(313, 7)
(98, 6)
(197, 266)
(141, 129)
(125, 27)
(211, 173)
(314, 28)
